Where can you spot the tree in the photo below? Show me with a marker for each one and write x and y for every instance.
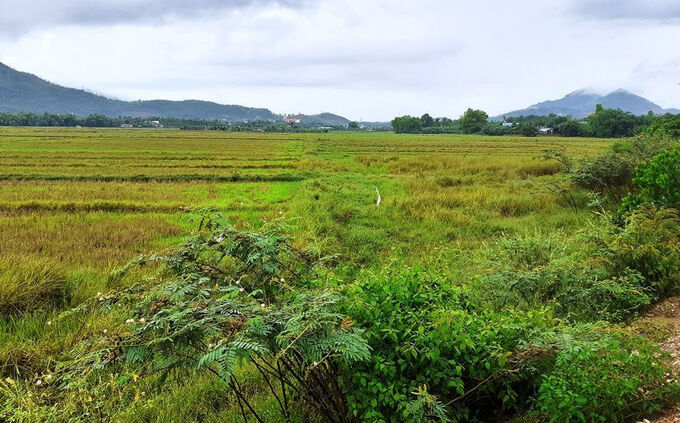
(427, 120)
(570, 128)
(473, 121)
(610, 123)
(353, 125)
(527, 129)
(406, 125)
(667, 125)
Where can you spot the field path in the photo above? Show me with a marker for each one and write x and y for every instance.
(668, 312)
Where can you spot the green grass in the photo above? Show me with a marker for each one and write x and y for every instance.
(76, 204)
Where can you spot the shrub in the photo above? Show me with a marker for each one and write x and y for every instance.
(615, 379)
(612, 173)
(657, 182)
(649, 243)
(535, 271)
(425, 332)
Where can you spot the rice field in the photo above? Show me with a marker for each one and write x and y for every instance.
(77, 204)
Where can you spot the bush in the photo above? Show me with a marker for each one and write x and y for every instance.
(616, 379)
(536, 271)
(668, 125)
(657, 182)
(425, 332)
(612, 173)
(649, 243)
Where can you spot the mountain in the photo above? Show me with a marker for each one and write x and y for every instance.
(580, 104)
(24, 92)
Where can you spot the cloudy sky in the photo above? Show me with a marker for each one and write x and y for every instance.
(364, 59)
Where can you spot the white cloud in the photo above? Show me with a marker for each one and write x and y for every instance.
(370, 59)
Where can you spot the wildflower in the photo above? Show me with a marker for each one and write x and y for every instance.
(38, 382)
(106, 330)
(282, 280)
(130, 321)
(142, 320)
(99, 294)
(49, 323)
(48, 377)
(241, 290)
(262, 305)
(135, 376)
(280, 212)
(238, 282)
(210, 345)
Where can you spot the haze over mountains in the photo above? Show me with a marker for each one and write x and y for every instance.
(582, 103)
(24, 92)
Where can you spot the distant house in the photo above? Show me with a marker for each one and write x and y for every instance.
(508, 124)
(546, 131)
(291, 121)
(127, 125)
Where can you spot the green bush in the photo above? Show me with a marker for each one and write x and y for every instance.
(535, 271)
(615, 379)
(425, 332)
(657, 182)
(649, 243)
(612, 173)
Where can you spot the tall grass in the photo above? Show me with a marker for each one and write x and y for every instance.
(29, 284)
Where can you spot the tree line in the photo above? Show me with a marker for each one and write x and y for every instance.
(602, 123)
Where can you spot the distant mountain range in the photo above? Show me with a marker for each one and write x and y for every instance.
(582, 103)
(24, 92)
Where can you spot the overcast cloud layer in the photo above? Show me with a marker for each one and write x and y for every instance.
(370, 59)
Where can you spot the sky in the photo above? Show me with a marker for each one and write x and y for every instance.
(364, 59)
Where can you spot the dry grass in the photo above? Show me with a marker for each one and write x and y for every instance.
(30, 284)
(82, 240)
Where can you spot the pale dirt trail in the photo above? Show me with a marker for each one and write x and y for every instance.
(668, 312)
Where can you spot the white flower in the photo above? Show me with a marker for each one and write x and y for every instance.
(262, 305)
(48, 377)
(106, 330)
(210, 345)
(238, 282)
(38, 382)
(49, 323)
(283, 280)
(130, 321)
(280, 212)
(99, 294)
(241, 290)
(142, 320)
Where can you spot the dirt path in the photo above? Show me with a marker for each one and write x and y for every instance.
(667, 313)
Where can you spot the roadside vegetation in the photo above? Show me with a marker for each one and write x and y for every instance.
(160, 276)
